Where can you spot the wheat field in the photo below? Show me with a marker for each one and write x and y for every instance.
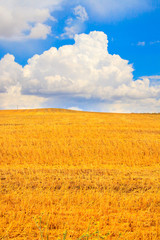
(68, 170)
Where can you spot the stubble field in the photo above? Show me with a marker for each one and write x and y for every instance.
(79, 169)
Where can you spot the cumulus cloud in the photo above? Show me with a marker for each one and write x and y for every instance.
(84, 69)
(10, 72)
(10, 86)
(83, 74)
(153, 80)
(14, 99)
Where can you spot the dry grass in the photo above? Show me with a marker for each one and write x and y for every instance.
(77, 168)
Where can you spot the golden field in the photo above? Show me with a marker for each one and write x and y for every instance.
(76, 169)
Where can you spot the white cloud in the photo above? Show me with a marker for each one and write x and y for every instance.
(84, 69)
(13, 99)
(40, 31)
(141, 44)
(148, 105)
(20, 19)
(153, 77)
(10, 86)
(83, 74)
(71, 29)
(153, 80)
(10, 72)
(80, 13)
(75, 25)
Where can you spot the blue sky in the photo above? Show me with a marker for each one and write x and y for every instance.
(29, 29)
